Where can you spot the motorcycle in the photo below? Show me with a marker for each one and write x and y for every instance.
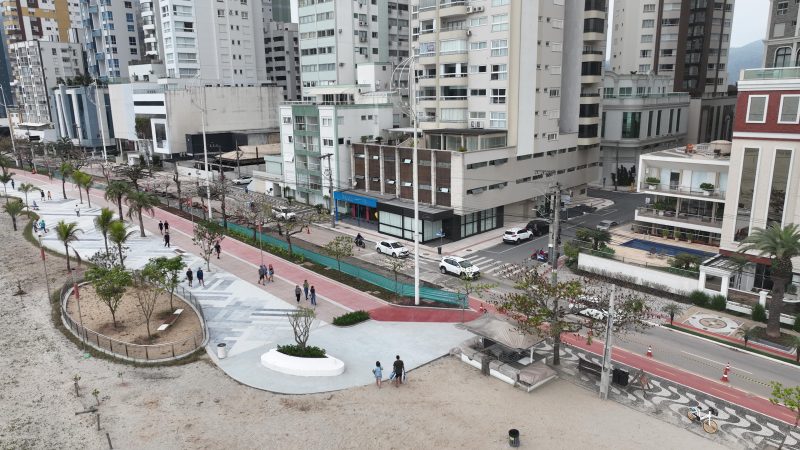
(360, 243)
(541, 256)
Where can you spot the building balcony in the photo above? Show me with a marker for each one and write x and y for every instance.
(778, 73)
(452, 8)
(679, 219)
(587, 141)
(683, 191)
(593, 55)
(593, 36)
(452, 33)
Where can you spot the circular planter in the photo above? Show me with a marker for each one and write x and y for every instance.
(302, 367)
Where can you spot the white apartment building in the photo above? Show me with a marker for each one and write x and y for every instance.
(283, 57)
(641, 114)
(82, 114)
(38, 67)
(153, 43)
(110, 37)
(338, 35)
(687, 39)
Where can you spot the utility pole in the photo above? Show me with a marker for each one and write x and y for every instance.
(555, 240)
(330, 187)
(606, 372)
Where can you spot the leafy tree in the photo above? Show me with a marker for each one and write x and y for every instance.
(295, 225)
(598, 238)
(135, 173)
(171, 269)
(301, 320)
(118, 234)
(789, 398)
(221, 189)
(67, 233)
(673, 309)
(206, 235)
(685, 261)
(115, 191)
(6, 178)
(14, 209)
(339, 247)
(25, 188)
(147, 286)
(472, 287)
(176, 178)
(103, 222)
(139, 203)
(110, 285)
(780, 245)
(759, 313)
(66, 169)
(396, 265)
(747, 333)
(253, 211)
(85, 182)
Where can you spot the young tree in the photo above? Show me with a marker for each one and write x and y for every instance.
(66, 170)
(221, 190)
(472, 287)
(295, 225)
(134, 173)
(301, 320)
(206, 235)
(103, 222)
(107, 169)
(598, 238)
(780, 245)
(171, 270)
(67, 233)
(77, 176)
(110, 285)
(25, 188)
(85, 182)
(6, 178)
(118, 234)
(673, 309)
(340, 247)
(139, 203)
(176, 178)
(685, 261)
(252, 211)
(789, 398)
(147, 286)
(14, 209)
(396, 265)
(747, 333)
(115, 191)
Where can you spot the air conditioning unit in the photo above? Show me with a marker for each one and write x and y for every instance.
(362, 23)
(469, 32)
(341, 64)
(470, 9)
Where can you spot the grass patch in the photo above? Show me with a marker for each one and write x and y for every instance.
(785, 340)
(302, 352)
(732, 344)
(351, 318)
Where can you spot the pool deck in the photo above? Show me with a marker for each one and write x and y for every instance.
(623, 234)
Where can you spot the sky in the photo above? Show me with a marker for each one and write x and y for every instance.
(749, 21)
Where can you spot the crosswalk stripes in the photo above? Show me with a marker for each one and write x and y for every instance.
(490, 266)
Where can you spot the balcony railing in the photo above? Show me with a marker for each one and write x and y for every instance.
(675, 216)
(778, 73)
(683, 190)
(306, 127)
(453, 97)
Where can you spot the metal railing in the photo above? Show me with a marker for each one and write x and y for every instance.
(684, 190)
(136, 352)
(679, 217)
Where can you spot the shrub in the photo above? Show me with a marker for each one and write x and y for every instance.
(718, 302)
(796, 326)
(759, 313)
(707, 186)
(302, 352)
(351, 318)
(652, 180)
(699, 298)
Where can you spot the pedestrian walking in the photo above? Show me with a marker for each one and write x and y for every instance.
(13, 186)
(271, 273)
(399, 371)
(305, 288)
(262, 273)
(77, 210)
(161, 227)
(297, 293)
(41, 225)
(49, 195)
(313, 296)
(166, 240)
(200, 280)
(166, 226)
(218, 249)
(35, 226)
(189, 276)
(42, 194)
(378, 372)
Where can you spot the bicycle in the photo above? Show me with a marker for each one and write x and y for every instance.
(709, 424)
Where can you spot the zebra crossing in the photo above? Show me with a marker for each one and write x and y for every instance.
(500, 269)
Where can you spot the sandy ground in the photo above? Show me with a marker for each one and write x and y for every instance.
(445, 405)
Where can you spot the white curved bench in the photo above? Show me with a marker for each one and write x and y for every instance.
(302, 367)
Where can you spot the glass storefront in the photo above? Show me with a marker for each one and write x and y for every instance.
(403, 227)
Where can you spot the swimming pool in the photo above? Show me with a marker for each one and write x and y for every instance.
(666, 249)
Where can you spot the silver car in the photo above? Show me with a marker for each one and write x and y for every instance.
(606, 225)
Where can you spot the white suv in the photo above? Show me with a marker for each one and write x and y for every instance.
(392, 248)
(459, 266)
(517, 235)
(283, 213)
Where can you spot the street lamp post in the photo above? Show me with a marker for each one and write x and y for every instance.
(44, 263)
(78, 302)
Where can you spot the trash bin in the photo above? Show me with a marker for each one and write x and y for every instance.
(439, 249)
(222, 350)
(620, 377)
(513, 437)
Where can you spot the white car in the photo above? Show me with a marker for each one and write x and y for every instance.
(242, 181)
(606, 225)
(459, 266)
(593, 313)
(517, 235)
(584, 301)
(391, 248)
(284, 213)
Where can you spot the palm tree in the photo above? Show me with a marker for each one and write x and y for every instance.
(25, 188)
(103, 222)
(747, 333)
(114, 193)
(77, 178)
(66, 170)
(6, 178)
(14, 209)
(85, 181)
(119, 235)
(673, 309)
(794, 341)
(139, 203)
(67, 233)
(780, 245)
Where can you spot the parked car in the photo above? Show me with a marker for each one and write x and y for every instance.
(392, 248)
(606, 225)
(596, 314)
(539, 227)
(584, 301)
(517, 235)
(242, 181)
(283, 212)
(459, 266)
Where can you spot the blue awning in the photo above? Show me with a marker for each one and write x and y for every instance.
(349, 197)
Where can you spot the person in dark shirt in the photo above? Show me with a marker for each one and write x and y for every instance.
(399, 370)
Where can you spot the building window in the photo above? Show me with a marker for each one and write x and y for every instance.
(498, 96)
(789, 109)
(678, 122)
(650, 124)
(630, 124)
(671, 116)
(500, 22)
(757, 109)
(644, 68)
(782, 8)
(499, 72)
(497, 120)
(499, 47)
(648, 23)
(783, 57)
(780, 183)
(647, 38)
(746, 187)
(650, 7)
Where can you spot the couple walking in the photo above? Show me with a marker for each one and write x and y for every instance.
(200, 276)
(311, 293)
(265, 274)
(398, 375)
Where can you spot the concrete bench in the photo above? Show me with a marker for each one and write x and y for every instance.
(170, 320)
